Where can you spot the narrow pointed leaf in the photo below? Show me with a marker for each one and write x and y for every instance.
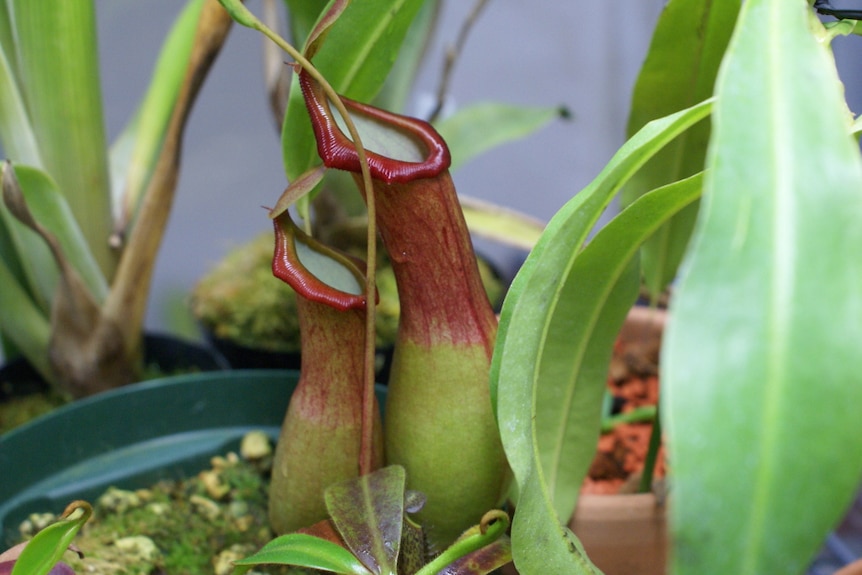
(482, 127)
(528, 311)
(48, 546)
(324, 23)
(685, 52)
(298, 188)
(132, 163)
(594, 298)
(369, 513)
(301, 550)
(760, 358)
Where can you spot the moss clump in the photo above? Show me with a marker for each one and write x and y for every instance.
(187, 527)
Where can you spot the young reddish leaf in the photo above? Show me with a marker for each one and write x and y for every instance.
(297, 189)
(369, 514)
(321, 29)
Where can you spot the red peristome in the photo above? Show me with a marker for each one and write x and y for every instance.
(286, 267)
(338, 151)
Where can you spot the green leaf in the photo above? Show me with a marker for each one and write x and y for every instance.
(59, 70)
(358, 53)
(134, 154)
(16, 132)
(302, 15)
(482, 127)
(307, 551)
(760, 358)
(49, 208)
(531, 319)
(679, 71)
(48, 546)
(369, 514)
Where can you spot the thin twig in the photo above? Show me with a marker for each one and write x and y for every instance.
(452, 53)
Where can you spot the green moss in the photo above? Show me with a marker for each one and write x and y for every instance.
(19, 410)
(188, 522)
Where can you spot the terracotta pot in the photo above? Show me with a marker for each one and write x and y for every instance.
(623, 534)
(854, 568)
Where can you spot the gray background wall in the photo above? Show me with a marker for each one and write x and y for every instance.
(540, 52)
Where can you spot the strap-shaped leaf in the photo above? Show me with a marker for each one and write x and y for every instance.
(59, 68)
(133, 155)
(679, 71)
(528, 314)
(760, 361)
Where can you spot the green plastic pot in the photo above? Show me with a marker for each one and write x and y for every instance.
(134, 436)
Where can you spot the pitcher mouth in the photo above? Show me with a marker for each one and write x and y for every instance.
(414, 149)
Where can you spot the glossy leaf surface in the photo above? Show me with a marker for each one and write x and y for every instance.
(679, 71)
(533, 308)
(48, 546)
(760, 359)
(303, 550)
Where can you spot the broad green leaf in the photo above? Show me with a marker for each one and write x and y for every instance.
(679, 71)
(482, 127)
(49, 208)
(539, 541)
(760, 361)
(303, 550)
(134, 155)
(501, 224)
(59, 70)
(571, 372)
(357, 55)
(48, 546)
(369, 513)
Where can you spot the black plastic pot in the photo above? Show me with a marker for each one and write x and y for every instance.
(168, 353)
(133, 436)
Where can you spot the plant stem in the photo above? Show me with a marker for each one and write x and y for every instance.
(492, 527)
(245, 17)
(652, 455)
